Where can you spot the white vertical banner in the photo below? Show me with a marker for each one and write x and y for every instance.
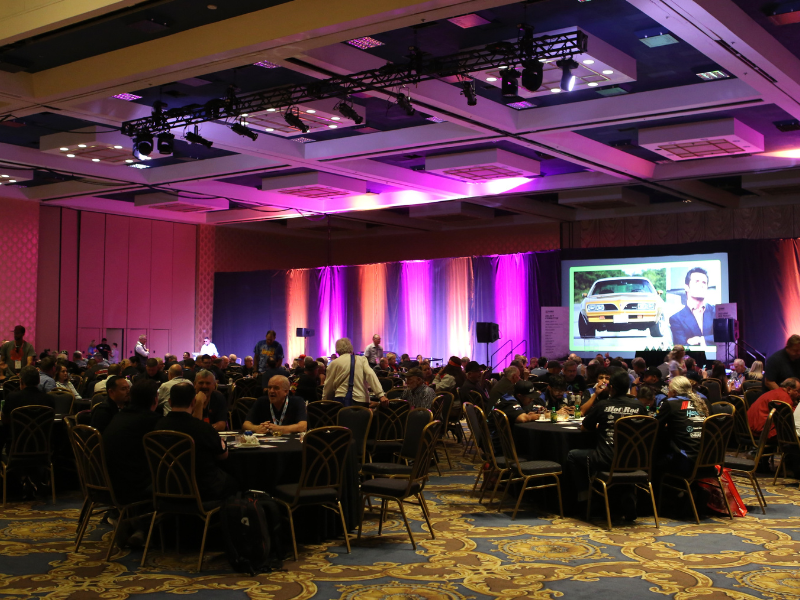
(555, 331)
(726, 311)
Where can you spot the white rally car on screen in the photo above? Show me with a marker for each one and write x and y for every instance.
(621, 304)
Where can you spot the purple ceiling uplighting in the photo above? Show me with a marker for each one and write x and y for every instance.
(435, 120)
(266, 64)
(365, 43)
(521, 104)
(126, 96)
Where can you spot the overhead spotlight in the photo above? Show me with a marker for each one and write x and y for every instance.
(509, 85)
(244, 131)
(532, 75)
(195, 138)
(468, 91)
(142, 144)
(404, 102)
(567, 78)
(292, 118)
(348, 112)
(166, 143)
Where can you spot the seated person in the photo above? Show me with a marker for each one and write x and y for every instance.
(248, 369)
(504, 385)
(601, 418)
(189, 367)
(119, 393)
(652, 379)
(553, 394)
(599, 391)
(212, 482)
(382, 368)
(99, 386)
(151, 371)
(517, 411)
(417, 394)
(788, 392)
(134, 368)
(277, 411)
(127, 464)
(680, 418)
(28, 394)
(553, 368)
(541, 369)
(575, 383)
(391, 360)
(647, 397)
(307, 383)
(217, 367)
(697, 381)
(210, 405)
(407, 363)
(473, 381)
(427, 372)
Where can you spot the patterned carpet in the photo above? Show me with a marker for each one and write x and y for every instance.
(476, 554)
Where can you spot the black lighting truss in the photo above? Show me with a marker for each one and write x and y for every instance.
(418, 69)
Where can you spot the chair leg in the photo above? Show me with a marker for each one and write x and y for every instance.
(291, 528)
(363, 512)
(760, 493)
(605, 499)
(203, 542)
(381, 515)
(408, 527)
(691, 499)
(496, 485)
(447, 454)
(774, 479)
(149, 536)
(425, 513)
(83, 525)
(477, 479)
(53, 483)
(589, 501)
(653, 500)
(560, 503)
(436, 462)
(115, 532)
(519, 498)
(344, 527)
(725, 497)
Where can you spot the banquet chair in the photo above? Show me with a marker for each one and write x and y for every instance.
(441, 407)
(744, 467)
(742, 434)
(324, 453)
(788, 441)
(390, 428)
(63, 401)
(358, 420)
(752, 384)
(396, 393)
(11, 385)
(31, 427)
(386, 383)
(83, 417)
(99, 492)
(398, 382)
(751, 395)
(322, 413)
(476, 421)
(416, 421)
(526, 471)
(99, 399)
(71, 421)
(238, 412)
(714, 387)
(246, 387)
(717, 430)
(399, 490)
(320, 391)
(632, 463)
(476, 399)
(171, 458)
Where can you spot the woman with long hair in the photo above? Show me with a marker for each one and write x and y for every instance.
(63, 382)
(676, 366)
(718, 373)
(756, 371)
(680, 418)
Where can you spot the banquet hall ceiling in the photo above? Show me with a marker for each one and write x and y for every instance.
(60, 71)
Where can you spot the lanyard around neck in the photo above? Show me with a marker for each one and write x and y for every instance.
(283, 412)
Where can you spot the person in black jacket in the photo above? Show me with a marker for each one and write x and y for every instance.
(119, 393)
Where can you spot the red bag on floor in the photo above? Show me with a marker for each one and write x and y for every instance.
(715, 500)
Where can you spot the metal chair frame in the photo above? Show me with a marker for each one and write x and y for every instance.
(60, 393)
(441, 412)
(783, 418)
(241, 406)
(391, 423)
(355, 413)
(760, 452)
(31, 427)
(322, 413)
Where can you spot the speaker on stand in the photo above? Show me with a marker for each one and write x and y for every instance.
(305, 334)
(486, 333)
(726, 331)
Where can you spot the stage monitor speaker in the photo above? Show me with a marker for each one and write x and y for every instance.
(304, 333)
(486, 333)
(726, 331)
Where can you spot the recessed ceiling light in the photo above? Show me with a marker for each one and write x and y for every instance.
(608, 72)
(544, 60)
(64, 149)
(12, 181)
(333, 126)
(335, 118)
(365, 43)
(556, 90)
(127, 97)
(95, 160)
(592, 84)
(117, 147)
(129, 160)
(271, 109)
(245, 115)
(588, 61)
(6, 176)
(81, 145)
(491, 79)
(503, 66)
(269, 129)
(311, 111)
(70, 156)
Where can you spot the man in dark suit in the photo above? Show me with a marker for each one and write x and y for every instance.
(686, 324)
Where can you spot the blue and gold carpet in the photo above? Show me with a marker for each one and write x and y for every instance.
(477, 553)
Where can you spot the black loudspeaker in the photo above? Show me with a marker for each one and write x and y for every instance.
(304, 333)
(726, 331)
(487, 332)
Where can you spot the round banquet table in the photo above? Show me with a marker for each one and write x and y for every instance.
(280, 462)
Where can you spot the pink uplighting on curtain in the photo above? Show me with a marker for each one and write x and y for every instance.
(296, 310)
(416, 297)
(458, 275)
(372, 282)
(511, 297)
(331, 308)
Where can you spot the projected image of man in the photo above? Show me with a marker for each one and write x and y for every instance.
(694, 325)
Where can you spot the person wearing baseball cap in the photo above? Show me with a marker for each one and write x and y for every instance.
(473, 382)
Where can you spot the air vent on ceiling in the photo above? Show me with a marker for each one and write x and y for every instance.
(449, 212)
(724, 137)
(334, 223)
(105, 147)
(314, 185)
(180, 204)
(780, 183)
(603, 198)
(482, 165)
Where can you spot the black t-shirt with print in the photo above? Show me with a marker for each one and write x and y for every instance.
(680, 427)
(601, 419)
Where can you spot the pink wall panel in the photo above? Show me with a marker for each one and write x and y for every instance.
(162, 265)
(184, 255)
(48, 278)
(68, 303)
(140, 251)
(91, 264)
(115, 293)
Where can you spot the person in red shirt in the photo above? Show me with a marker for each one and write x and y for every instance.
(788, 391)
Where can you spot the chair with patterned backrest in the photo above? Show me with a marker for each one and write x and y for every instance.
(390, 428)
(788, 442)
(398, 382)
(525, 471)
(396, 393)
(91, 458)
(441, 407)
(476, 399)
(247, 387)
(742, 434)
(322, 413)
(399, 490)
(11, 385)
(717, 430)
(714, 387)
(238, 412)
(358, 420)
(744, 467)
(483, 449)
(632, 463)
(99, 399)
(751, 395)
(71, 421)
(171, 458)
(63, 401)
(752, 384)
(324, 453)
(416, 421)
(386, 383)
(320, 390)
(31, 427)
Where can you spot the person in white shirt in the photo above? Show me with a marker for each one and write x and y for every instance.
(114, 353)
(373, 352)
(141, 348)
(208, 348)
(175, 374)
(338, 376)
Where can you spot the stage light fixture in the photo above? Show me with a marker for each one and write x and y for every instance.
(404, 102)
(166, 142)
(195, 138)
(142, 144)
(242, 130)
(567, 78)
(468, 91)
(532, 75)
(292, 118)
(509, 86)
(348, 112)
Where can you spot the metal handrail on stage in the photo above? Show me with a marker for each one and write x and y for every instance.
(503, 345)
(758, 354)
(525, 353)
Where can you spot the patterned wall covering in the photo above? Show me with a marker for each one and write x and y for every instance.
(206, 256)
(19, 246)
(765, 222)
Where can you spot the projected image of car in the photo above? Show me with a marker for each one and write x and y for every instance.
(621, 304)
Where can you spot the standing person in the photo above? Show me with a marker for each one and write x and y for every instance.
(141, 349)
(337, 381)
(374, 352)
(114, 353)
(782, 364)
(17, 353)
(266, 349)
(104, 349)
(676, 366)
(208, 347)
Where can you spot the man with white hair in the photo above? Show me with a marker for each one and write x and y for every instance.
(141, 349)
(175, 374)
(739, 371)
(373, 352)
(505, 385)
(338, 384)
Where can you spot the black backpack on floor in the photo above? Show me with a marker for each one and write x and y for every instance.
(251, 530)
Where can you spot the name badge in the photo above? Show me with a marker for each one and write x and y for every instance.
(17, 365)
